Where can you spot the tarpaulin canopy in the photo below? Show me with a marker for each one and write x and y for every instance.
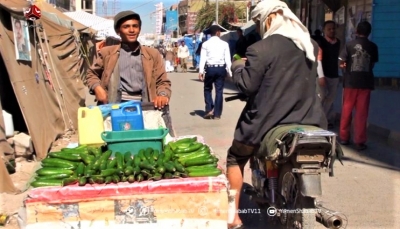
(104, 27)
(48, 104)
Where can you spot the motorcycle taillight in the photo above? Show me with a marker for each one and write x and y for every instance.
(271, 170)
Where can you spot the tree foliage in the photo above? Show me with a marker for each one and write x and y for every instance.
(227, 13)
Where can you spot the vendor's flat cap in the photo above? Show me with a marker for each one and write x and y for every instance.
(122, 15)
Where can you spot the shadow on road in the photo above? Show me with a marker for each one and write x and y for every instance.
(199, 113)
(387, 160)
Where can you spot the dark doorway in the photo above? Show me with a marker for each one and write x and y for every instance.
(9, 100)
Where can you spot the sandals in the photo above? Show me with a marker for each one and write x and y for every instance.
(239, 226)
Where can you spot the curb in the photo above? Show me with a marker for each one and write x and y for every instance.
(390, 137)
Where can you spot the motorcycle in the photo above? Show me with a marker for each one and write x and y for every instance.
(286, 175)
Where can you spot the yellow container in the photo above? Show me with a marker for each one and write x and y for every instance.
(90, 126)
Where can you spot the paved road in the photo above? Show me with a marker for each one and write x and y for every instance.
(366, 189)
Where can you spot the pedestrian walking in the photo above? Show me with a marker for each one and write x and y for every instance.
(330, 46)
(215, 65)
(176, 58)
(358, 59)
(183, 54)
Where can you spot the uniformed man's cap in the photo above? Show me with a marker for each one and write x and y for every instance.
(214, 29)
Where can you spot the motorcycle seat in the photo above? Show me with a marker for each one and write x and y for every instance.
(311, 136)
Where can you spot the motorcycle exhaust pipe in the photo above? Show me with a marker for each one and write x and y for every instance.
(329, 218)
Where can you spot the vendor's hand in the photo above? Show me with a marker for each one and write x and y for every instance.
(322, 82)
(201, 77)
(101, 95)
(160, 102)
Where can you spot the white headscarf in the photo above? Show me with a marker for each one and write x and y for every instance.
(287, 25)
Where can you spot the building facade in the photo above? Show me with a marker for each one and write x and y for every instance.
(88, 6)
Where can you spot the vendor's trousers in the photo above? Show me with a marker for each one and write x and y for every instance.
(216, 76)
(358, 100)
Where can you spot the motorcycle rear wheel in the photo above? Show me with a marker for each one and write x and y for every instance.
(300, 208)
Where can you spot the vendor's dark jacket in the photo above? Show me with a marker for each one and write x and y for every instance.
(103, 66)
(280, 83)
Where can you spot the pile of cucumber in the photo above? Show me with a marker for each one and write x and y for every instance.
(194, 156)
(90, 165)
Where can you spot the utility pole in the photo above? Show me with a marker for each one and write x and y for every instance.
(216, 13)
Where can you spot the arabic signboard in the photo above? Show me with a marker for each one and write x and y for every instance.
(191, 22)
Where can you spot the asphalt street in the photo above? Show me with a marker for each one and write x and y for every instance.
(366, 188)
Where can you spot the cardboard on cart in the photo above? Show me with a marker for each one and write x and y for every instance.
(176, 203)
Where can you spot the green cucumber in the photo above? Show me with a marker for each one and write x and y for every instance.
(169, 166)
(124, 179)
(146, 165)
(103, 164)
(167, 176)
(97, 164)
(161, 169)
(82, 181)
(120, 160)
(128, 171)
(199, 161)
(106, 155)
(168, 155)
(186, 140)
(156, 177)
(53, 171)
(69, 181)
(112, 164)
(206, 173)
(59, 166)
(148, 152)
(128, 157)
(203, 150)
(156, 154)
(53, 176)
(131, 178)
(86, 158)
(108, 180)
(58, 162)
(116, 179)
(136, 160)
(201, 167)
(193, 156)
(80, 170)
(139, 177)
(66, 156)
(192, 148)
(179, 167)
(141, 154)
(46, 183)
(196, 158)
(145, 173)
(136, 170)
(99, 179)
(107, 172)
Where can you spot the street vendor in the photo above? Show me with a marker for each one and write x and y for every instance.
(129, 70)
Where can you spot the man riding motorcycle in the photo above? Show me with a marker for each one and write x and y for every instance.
(278, 78)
